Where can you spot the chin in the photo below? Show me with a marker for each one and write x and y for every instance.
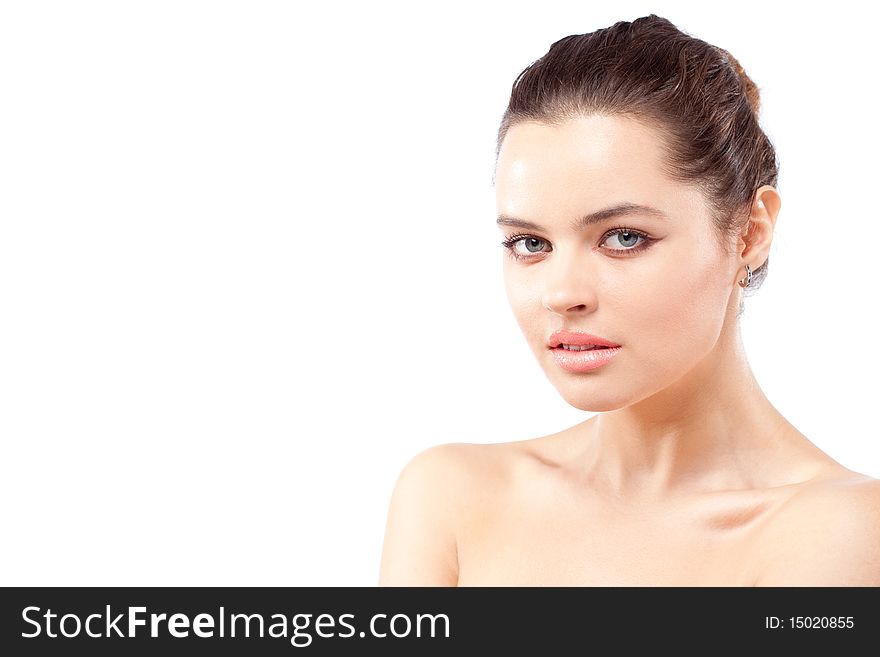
(591, 396)
(596, 403)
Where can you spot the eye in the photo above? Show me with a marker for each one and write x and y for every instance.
(530, 244)
(627, 239)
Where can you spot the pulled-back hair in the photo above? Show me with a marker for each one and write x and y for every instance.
(696, 95)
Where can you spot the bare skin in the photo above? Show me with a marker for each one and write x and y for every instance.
(687, 475)
(524, 514)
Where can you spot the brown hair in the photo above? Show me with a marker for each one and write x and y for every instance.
(695, 94)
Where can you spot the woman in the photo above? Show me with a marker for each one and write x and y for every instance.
(637, 203)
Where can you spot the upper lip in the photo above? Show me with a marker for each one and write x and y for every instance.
(578, 339)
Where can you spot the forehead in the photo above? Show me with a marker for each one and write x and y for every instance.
(581, 164)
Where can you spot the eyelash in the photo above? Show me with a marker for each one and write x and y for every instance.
(640, 246)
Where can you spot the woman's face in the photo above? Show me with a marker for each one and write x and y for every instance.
(658, 285)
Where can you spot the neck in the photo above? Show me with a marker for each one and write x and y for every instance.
(711, 430)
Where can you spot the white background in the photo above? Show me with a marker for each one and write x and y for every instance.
(248, 267)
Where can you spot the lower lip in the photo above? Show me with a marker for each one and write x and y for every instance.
(583, 361)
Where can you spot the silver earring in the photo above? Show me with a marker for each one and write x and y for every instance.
(745, 282)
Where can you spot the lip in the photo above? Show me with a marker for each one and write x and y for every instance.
(578, 339)
(581, 361)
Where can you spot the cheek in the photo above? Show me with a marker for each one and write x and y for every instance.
(680, 314)
(523, 295)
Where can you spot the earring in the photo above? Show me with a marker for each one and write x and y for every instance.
(747, 280)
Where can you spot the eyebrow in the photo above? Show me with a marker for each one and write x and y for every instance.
(620, 210)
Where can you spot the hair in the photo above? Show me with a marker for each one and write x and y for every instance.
(696, 95)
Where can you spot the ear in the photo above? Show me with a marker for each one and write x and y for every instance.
(755, 240)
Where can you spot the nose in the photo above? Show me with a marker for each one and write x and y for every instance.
(569, 287)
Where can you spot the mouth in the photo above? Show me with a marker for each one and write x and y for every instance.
(578, 341)
(579, 352)
(574, 347)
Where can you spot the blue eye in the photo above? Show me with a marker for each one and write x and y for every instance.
(628, 238)
(531, 244)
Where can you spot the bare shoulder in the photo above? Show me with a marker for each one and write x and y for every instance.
(431, 496)
(828, 534)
